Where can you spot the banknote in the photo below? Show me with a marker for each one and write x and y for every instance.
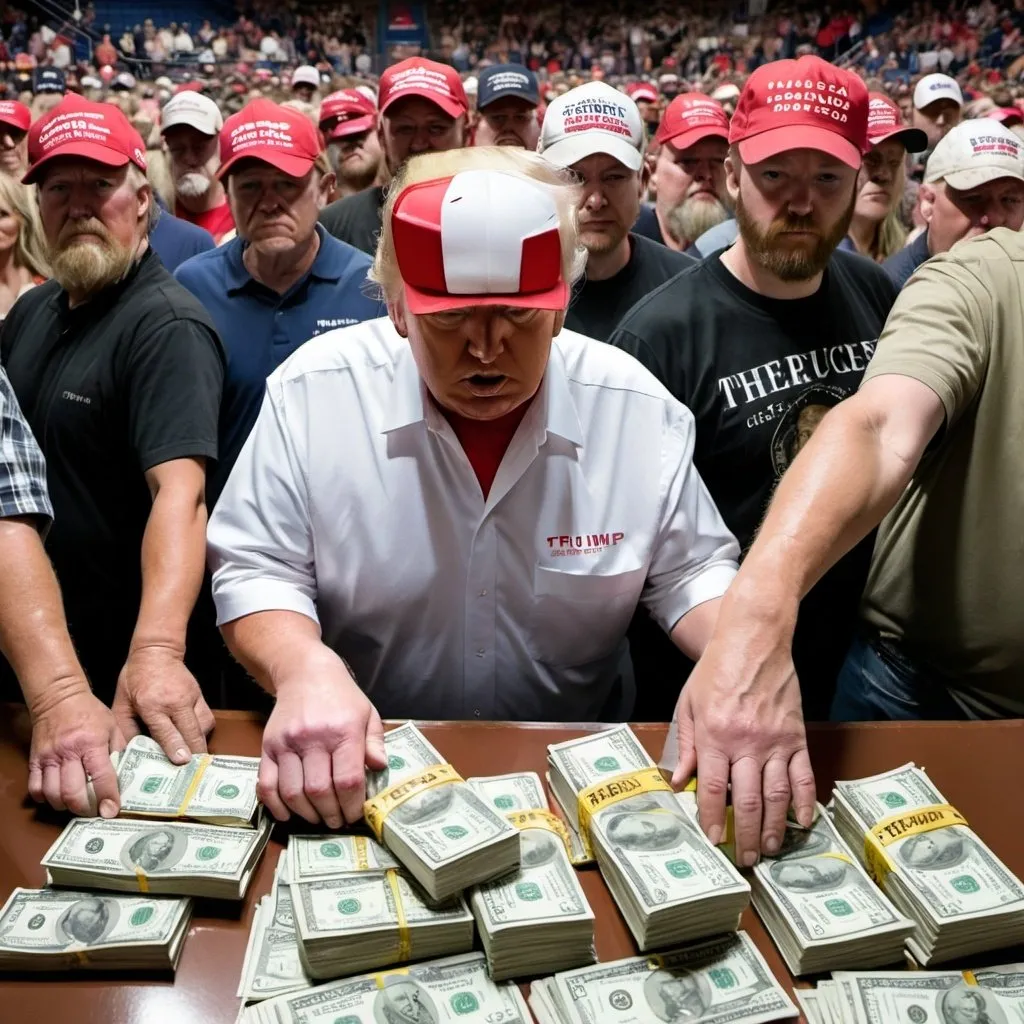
(272, 963)
(326, 856)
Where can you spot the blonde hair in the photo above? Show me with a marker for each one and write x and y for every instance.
(30, 251)
(517, 162)
(137, 179)
(891, 235)
(158, 171)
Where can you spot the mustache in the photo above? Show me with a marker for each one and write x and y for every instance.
(88, 226)
(781, 225)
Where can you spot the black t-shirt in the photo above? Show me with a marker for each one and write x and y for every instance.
(598, 306)
(647, 225)
(356, 219)
(111, 388)
(758, 375)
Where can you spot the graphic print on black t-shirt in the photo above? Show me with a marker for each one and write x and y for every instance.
(799, 422)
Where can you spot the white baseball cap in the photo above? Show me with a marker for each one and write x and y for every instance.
(976, 152)
(195, 110)
(593, 118)
(306, 75)
(937, 87)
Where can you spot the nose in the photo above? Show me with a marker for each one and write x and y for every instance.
(800, 200)
(488, 334)
(594, 199)
(703, 171)
(420, 141)
(7, 140)
(882, 176)
(268, 201)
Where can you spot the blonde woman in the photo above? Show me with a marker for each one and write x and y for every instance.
(876, 229)
(22, 252)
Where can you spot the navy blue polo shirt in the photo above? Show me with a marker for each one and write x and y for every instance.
(260, 328)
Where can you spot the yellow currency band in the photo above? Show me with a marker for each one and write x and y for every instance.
(377, 808)
(140, 877)
(902, 826)
(969, 978)
(655, 962)
(81, 956)
(204, 763)
(361, 852)
(617, 788)
(540, 817)
(381, 977)
(404, 941)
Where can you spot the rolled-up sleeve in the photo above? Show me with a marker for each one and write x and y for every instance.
(23, 490)
(260, 543)
(695, 557)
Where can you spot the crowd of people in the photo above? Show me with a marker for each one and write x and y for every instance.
(506, 393)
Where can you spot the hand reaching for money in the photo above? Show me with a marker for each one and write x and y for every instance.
(318, 742)
(70, 740)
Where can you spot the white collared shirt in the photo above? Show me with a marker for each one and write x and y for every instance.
(354, 503)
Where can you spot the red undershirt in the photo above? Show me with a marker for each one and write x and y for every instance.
(217, 221)
(486, 441)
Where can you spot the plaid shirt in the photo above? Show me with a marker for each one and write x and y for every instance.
(22, 465)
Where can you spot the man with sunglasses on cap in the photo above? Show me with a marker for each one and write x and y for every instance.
(348, 121)
(452, 512)
(507, 101)
(973, 182)
(15, 121)
(423, 109)
(689, 173)
(118, 370)
(760, 341)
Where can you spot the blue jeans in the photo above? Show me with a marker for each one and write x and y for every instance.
(879, 682)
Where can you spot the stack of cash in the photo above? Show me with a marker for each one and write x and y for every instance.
(670, 883)
(370, 919)
(327, 856)
(157, 857)
(820, 907)
(272, 965)
(216, 789)
(443, 833)
(933, 867)
(537, 918)
(991, 995)
(456, 990)
(720, 981)
(52, 930)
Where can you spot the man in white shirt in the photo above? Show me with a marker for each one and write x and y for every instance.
(452, 512)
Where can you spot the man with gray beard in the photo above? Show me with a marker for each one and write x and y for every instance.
(190, 125)
(119, 372)
(689, 173)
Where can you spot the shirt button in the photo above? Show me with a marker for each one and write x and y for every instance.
(480, 652)
(477, 712)
(483, 593)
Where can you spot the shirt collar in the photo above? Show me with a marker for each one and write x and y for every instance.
(329, 264)
(409, 404)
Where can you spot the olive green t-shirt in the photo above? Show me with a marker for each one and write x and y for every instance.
(947, 577)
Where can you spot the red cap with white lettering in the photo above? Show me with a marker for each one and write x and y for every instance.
(279, 136)
(426, 79)
(479, 238)
(346, 112)
(692, 117)
(801, 104)
(16, 114)
(886, 122)
(79, 127)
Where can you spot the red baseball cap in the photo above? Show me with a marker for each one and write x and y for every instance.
(690, 117)
(642, 91)
(801, 104)
(1009, 116)
(279, 136)
(79, 127)
(886, 122)
(427, 79)
(479, 238)
(16, 114)
(345, 113)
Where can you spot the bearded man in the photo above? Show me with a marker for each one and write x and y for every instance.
(348, 121)
(780, 322)
(119, 372)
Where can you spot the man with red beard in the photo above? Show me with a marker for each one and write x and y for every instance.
(689, 174)
(348, 120)
(761, 339)
(119, 372)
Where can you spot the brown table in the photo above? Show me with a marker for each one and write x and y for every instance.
(978, 767)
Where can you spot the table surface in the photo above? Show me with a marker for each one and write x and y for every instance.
(974, 764)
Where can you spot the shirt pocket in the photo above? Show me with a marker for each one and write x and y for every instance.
(578, 618)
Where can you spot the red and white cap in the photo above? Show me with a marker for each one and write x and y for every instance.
(886, 122)
(592, 118)
(427, 79)
(644, 91)
(346, 112)
(975, 152)
(279, 136)
(479, 238)
(801, 104)
(1004, 115)
(92, 131)
(16, 114)
(690, 117)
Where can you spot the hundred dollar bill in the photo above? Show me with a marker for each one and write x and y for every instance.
(216, 789)
(444, 835)
(455, 990)
(326, 856)
(671, 884)
(156, 857)
(50, 929)
(272, 964)
(719, 981)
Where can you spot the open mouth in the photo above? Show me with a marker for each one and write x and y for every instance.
(484, 384)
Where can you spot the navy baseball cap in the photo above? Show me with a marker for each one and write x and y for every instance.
(48, 80)
(503, 80)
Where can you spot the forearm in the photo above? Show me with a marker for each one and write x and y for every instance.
(33, 631)
(692, 633)
(278, 647)
(173, 560)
